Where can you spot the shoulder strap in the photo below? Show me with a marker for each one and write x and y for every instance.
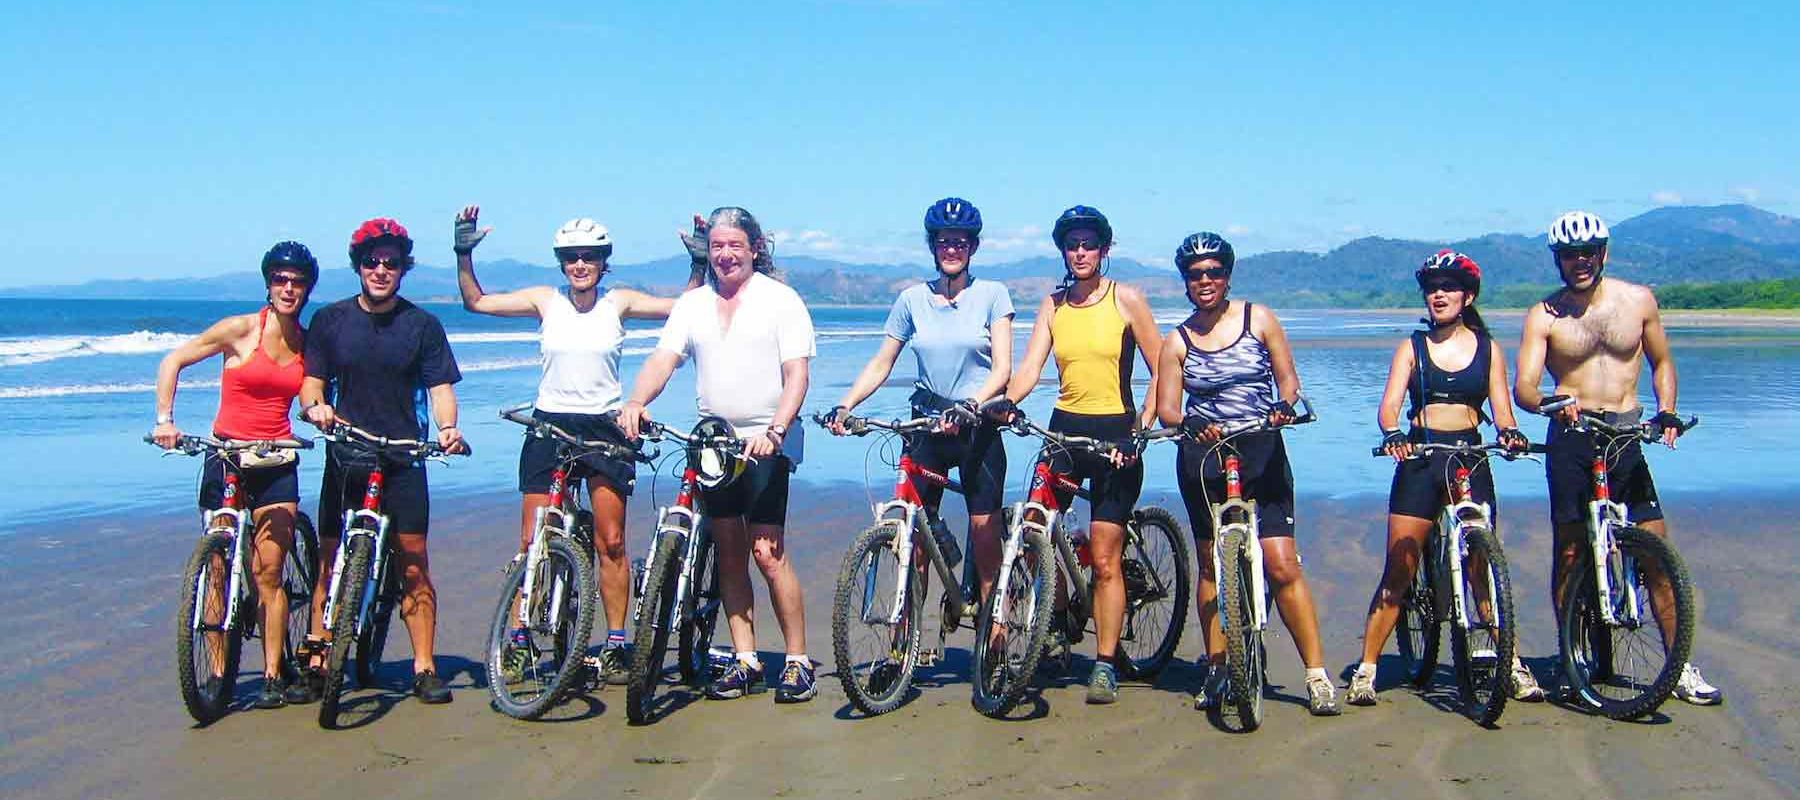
(1247, 305)
(262, 319)
(1185, 338)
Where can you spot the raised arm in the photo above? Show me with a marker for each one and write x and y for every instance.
(1037, 350)
(523, 303)
(213, 341)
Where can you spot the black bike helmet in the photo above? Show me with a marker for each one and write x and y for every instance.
(1202, 246)
(1082, 217)
(292, 255)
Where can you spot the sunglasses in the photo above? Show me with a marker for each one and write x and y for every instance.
(396, 264)
(1430, 287)
(590, 256)
(952, 244)
(1078, 245)
(288, 280)
(1584, 251)
(1212, 273)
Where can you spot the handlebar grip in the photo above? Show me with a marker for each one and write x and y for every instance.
(516, 415)
(1378, 452)
(1537, 448)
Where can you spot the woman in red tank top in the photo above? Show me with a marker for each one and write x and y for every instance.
(261, 378)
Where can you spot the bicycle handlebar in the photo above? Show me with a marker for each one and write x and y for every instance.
(1420, 449)
(344, 433)
(189, 444)
(859, 426)
(549, 430)
(1592, 421)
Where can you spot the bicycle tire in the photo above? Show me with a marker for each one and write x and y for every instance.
(298, 574)
(650, 642)
(1417, 631)
(1244, 655)
(1157, 572)
(866, 584)
(351, 584)
(1484, 687)
(700, 616)
(371, 640)
(565, 581)
(1621, 655)
(998, 682)
(212, 555)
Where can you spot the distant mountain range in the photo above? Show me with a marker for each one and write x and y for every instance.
(1676, 244)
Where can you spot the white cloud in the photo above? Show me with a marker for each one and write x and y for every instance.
(1352, 230)
(1235, 229)
(1666, 197)
(1748, 194)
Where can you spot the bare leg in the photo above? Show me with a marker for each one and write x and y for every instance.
(1281, 563)
(1106, 543)
(274, 537)
(1406, 541)
(418, 604)
(1662, 592)
(984, 533)
(767, 545)
(609, 549)
(1206, 605)
(732, 544)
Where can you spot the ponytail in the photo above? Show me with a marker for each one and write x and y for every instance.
(1472, 320)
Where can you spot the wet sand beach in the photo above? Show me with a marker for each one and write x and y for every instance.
(90, 706)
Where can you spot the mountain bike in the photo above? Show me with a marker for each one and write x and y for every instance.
(1237, 559)
(881, 587)
(219, 608)
(1040, 551)
(362, 594)
(678, 585)
(1623, 645)
(545, 614)
(1462, 578)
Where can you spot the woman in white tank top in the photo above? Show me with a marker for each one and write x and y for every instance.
(582, 332)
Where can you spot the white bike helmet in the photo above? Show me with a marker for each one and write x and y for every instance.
(583, 232)
(1577, 229)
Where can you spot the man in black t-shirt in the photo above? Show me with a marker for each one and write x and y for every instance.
(371, 361)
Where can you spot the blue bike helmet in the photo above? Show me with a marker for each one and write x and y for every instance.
(1202, 246)
(1082, 217)
(952, 214)
(292, 255)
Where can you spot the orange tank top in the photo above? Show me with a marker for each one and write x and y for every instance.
(255, 396)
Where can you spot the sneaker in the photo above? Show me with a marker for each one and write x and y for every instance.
(1361, 691)
(1525, 688)
(1483, 654)
(1212, 687)
(615, 665)
(1321, 697)
(1694, 689)
(274, 693)
(797, 683)
(736, 681)
(430, 689)
(516, 657)
(307, 688)
(1103, 685)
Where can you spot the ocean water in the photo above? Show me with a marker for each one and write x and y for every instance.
(76, 381)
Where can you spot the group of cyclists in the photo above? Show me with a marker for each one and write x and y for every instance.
(385, 364)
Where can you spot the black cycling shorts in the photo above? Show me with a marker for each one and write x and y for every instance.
(265, 486)
(759, 495)
(1112, 491)
(1263, 473)
(1569, 468)
(977, 456)
(405, 496)
(538, 457)
(1421, 486)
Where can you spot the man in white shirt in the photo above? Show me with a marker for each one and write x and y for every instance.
(751, 339)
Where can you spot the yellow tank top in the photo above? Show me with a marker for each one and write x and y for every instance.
(1094, 350)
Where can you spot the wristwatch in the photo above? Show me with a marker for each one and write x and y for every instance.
(165, 419)
(779, 430)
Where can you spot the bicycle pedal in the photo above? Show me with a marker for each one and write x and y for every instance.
(930, 658)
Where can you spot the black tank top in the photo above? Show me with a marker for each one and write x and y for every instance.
(1431, 384)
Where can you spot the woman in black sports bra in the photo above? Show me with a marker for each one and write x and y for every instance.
(1444, 406)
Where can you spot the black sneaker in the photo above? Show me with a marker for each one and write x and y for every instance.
(307, 688)
(274, 692)
(1212, 688)
(430, 689)
(615, 665)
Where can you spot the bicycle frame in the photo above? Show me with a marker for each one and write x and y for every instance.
(375, 523)
(681, 520)
(1604, 516)
(229, 518)
(1460, 513)
(551, 520)
(909, 507)
(1244, 517)
(1042, 499)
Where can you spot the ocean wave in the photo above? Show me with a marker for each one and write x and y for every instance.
(490, 337)
(36, 350)
(78, 389)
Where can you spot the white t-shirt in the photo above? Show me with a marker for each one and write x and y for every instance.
(581, 356)
(738, 371)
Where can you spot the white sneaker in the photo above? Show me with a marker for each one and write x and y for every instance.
(1361, 691)
(1525, 687)
(1483, 654)
(1694, 689)
(1322, 697)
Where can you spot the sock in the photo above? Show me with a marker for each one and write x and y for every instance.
(1316, 672)
(801, 659)
(1365, 668)
(749, 659)
(615, 638)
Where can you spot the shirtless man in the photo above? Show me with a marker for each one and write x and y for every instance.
(1592, 334)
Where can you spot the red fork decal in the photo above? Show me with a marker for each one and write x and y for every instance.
(1601, 490)
(1234, 484)
(372, 495)
(231, 499)
(685, 497)
(557, 477)
(1461, 485)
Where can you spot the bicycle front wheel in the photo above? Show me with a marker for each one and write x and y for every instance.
(1007, 653)
(1483, 651)
(1626, 669)
(206, 652)
(1157, 572)
(351, 583)
(297, 577)
(371, 640)
(876, 643)
(1418, 627)
(1243, 639)
(531, 666)
(700, 615)
(650, 642)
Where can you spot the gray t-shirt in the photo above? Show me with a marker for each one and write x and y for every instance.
(949, 338)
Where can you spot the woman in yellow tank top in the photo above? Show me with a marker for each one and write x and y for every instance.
(1095, 326)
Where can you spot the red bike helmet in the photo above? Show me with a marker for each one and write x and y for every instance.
(378, 231)
(1455, 265)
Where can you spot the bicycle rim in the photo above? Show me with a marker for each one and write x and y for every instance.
(1483, 651)
(1243, 641)
(1006, 655)
(875, 644)
(1627, 669)
(650, 642)
(700, 618)
(1418, 627)
(1155, 566)
(298, 574)
(343, 625)
(206, 656)
(527, 678)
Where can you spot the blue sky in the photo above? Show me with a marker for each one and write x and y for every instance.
(176, 139)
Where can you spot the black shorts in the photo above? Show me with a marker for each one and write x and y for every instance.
(1421, 486)
(405, 496)
(760, 495)
(259, 487)
(980, 462)
(1112, 491)
(1263, 473)
(538, 457)
(1568, 466)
